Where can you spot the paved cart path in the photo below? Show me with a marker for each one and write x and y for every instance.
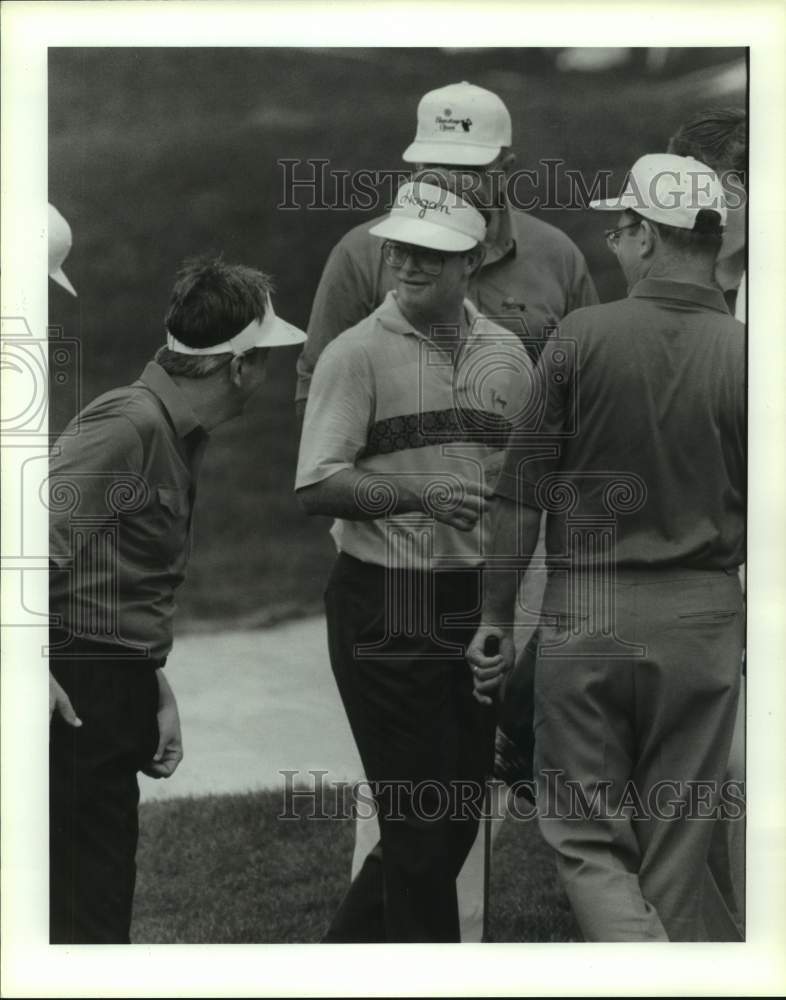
(253, 703)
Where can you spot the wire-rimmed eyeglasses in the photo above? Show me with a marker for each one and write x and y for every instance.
(613, 235)
(428, 261)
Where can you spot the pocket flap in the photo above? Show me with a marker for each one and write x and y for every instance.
(173, 500)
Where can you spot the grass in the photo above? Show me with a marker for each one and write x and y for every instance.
(157, 154)
(225, 870)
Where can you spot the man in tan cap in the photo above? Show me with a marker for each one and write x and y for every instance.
(123, 478)
(405, 412)
(531, 274)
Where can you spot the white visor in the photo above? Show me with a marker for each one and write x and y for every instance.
(429, 216)
(271, 332)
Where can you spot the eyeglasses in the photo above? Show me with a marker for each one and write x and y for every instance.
(613, 235)
(429, 262)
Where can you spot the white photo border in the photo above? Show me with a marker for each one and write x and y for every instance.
(30, 966)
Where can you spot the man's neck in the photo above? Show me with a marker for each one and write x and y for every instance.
(445, 320)
(728, 270)
(211, 402)
(695, 272)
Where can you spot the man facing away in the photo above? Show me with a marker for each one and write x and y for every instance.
(639, 464)
(123, 479)
(405, 411)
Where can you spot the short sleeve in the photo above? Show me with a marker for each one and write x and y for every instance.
(338, 414)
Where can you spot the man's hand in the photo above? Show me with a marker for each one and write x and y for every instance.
(488, 672)
(59, 700)
(169, 752)
(459, 510)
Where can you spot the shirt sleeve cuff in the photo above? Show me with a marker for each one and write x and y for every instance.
(318, 475)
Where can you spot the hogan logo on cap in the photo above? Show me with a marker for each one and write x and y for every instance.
(410, 198)
(429, 216)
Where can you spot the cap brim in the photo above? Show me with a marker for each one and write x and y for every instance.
(59, 277)
(610, 204)
(282, 334)
(451, 154)
(423, 234)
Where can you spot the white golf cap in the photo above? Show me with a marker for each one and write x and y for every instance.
(460, 125)
(271, 332)
(429, 216)
(668, 189)
(59, 234)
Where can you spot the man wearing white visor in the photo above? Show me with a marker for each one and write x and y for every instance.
(638, 670)
(123, 479)
(405, 411)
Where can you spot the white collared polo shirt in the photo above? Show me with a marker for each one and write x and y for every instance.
(385, 399)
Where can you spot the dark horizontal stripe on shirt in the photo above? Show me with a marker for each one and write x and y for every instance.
(419, 430)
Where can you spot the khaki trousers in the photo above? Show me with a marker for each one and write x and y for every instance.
(636, 689)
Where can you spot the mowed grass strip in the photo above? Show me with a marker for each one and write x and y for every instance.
(227, 870)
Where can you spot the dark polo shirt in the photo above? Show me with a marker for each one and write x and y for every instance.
(531, 277)
(122, 486)
(639, 456)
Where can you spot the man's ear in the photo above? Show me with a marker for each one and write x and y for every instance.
(236, 370)
(647, 237)
(507, 161)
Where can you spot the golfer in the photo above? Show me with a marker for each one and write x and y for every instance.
(531, 274)
(640, 466)
(123, 485)
(405, 410)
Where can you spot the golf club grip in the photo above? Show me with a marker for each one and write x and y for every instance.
(491, 645)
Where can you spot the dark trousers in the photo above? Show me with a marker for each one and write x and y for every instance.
(425, 743)
(517, 708)
(94, 793)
